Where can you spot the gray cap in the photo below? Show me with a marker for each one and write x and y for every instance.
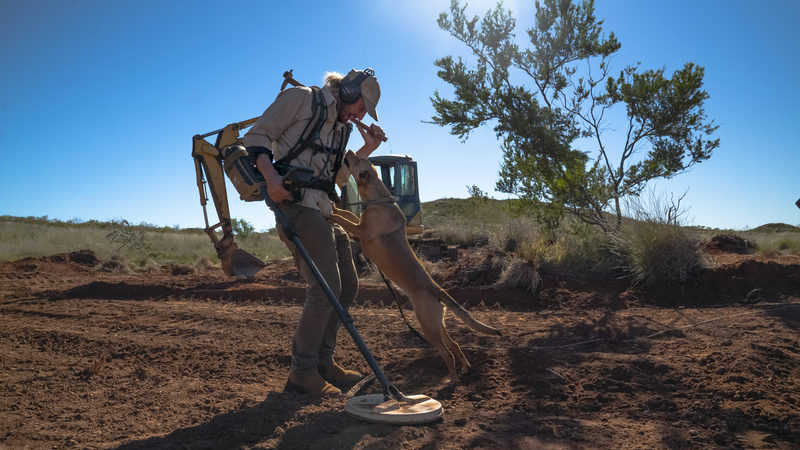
(370, 92)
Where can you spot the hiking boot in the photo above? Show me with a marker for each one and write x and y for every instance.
(310, 383)
(338, 376)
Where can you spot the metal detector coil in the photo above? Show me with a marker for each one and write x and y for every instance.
(375, 408)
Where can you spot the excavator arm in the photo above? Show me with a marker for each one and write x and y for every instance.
(208, 167)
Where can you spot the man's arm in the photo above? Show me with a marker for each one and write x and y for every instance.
(373, 136)
(274, 181)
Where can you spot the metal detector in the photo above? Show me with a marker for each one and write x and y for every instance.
(392, 406)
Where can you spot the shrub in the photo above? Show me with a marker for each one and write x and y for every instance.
(476, 195)
(781, 243)
(512, 235)
(463, 236)
(521, 274)
(242, 228)
(577, 251)
(658, 254)
(655, 249)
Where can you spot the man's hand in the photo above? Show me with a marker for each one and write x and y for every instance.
(277, 192)
(373, 135)
(275, 188)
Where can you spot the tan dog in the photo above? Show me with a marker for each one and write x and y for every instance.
(382, 232)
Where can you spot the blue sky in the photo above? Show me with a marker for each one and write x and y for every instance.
(99, 99)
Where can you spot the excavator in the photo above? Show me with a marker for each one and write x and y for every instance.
(227, 156)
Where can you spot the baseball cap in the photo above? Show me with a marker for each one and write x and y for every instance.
(370, 92)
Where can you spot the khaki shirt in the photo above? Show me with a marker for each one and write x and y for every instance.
(282, 125)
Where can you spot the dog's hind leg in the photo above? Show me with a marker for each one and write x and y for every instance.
(434, 333)
(454, 348)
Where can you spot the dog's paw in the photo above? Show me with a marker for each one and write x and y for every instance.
(446, 391)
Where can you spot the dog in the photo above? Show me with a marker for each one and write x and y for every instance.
(381, 230)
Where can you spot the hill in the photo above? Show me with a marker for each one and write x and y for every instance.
(776, 228)
(462, 222)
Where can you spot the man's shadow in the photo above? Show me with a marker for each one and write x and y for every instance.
(267, 422)
(233, 429)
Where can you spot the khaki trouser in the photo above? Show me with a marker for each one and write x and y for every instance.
(329, 248)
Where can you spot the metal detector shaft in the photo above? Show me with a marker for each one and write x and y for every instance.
(344, 316)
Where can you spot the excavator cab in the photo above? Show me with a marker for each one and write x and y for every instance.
(399, 174)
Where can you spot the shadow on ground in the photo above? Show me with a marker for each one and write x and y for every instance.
(270, 423)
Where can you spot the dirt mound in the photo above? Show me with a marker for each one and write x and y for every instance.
(78, 261)
(84, 257)
(728, 243)
(479, 266)
(734, 282)
(730, 284)
(122, 290)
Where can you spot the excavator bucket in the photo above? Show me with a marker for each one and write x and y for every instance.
(235, 261)
(238, 263)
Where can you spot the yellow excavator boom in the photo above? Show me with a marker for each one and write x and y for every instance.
(208, 163)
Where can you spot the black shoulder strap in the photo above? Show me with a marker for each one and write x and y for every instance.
(319, 114)
(337, 163)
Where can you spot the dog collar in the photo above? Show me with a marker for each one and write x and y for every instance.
(390, 199)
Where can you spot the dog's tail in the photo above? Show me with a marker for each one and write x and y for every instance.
(465, 316)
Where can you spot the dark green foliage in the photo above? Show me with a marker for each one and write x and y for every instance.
(242, 228)
(476, 194)
(566, 91)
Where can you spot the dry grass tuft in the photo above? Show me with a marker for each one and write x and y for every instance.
(181, 269)
(117, 264)
(520, 274)
(658, 251)
(203, 264)
(659, 254)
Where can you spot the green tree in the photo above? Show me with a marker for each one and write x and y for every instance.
(242, 227)
(476, 195)
(546, 99)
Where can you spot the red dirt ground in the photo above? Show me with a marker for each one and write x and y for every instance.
(96, 359)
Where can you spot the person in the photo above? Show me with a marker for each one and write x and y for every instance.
(309, 128)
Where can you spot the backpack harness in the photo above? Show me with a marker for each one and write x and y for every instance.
(296, 178)
(240, 163)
